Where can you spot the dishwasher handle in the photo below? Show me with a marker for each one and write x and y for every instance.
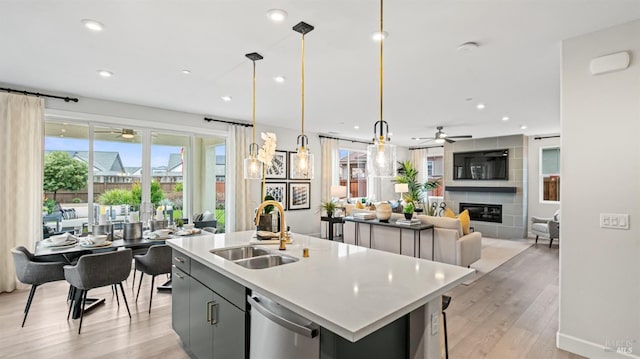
(310, 332)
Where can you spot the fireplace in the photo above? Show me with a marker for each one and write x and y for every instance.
(483, 212)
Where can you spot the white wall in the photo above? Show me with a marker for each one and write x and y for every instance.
(600, 268)
(537, 208)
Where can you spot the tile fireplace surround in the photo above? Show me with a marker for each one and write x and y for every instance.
(513, 201)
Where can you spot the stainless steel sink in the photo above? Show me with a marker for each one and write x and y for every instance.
(253, 257)
(265, 261)
(243, 252)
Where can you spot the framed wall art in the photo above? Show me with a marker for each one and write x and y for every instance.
(277, 190)
(299, 195)
(278, 168)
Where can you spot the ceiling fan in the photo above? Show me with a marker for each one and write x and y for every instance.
(441, 137)
(126, 133)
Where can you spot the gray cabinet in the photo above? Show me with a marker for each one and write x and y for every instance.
(215, 328)
(180, 282)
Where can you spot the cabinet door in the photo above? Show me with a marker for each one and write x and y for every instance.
(228, 329)
(200, 300)
(180, 304)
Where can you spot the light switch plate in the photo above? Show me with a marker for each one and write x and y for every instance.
(614, 220)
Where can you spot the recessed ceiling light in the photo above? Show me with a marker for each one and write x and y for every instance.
(480, 106)
(523, 127)
(356, 127)
(377, 36)
(468, 46)
(92, 25)
(226, 98)
(186, 72)
(505, 118)
(277, 15)
(105, 73)
(279, 79)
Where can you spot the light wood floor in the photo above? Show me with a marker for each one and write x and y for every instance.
(509, 313)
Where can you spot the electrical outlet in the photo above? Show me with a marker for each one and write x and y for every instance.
(435, 323)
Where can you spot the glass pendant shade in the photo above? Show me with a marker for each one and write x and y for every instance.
(252, 168)
(303, 164)
(381, 160)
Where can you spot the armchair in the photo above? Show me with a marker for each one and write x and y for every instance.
(546, 227)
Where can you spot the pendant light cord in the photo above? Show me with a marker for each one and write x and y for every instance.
(381, 74)
(253, 112)
(302, 87)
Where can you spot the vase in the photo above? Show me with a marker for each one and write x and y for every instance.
(329, 214)
(383, 212)
(408, 216)
(265, 223)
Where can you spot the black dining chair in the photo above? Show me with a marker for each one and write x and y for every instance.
(156, 261)
(98, 270)
(446, 300)
(31, 271)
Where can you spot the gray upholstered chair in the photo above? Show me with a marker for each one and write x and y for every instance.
(31, 271)
(98, 270)
(546, 227)
(156, 261)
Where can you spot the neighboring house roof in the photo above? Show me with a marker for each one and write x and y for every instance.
(175, 163)
(105, 163)
(133, 171)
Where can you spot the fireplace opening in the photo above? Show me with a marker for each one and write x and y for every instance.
(483, 212)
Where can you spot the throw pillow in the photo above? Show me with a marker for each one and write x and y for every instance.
(465, 220)
(372, 207)
(449, 213)
(359, 205)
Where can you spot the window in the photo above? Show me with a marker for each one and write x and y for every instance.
(353, 172)
(110, 172)
(435, 171)
(550, 174)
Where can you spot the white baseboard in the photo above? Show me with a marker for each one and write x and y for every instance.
(591, 350)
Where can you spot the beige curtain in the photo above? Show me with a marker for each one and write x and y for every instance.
(243, 198)
(419, 160)
(330, 165)
(21, 151)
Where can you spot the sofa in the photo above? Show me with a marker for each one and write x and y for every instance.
(73, 215)
(452, 246)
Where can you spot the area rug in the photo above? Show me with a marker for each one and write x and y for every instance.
(496, 252)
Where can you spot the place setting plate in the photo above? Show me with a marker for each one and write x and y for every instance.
(93, 245)
(69, 242)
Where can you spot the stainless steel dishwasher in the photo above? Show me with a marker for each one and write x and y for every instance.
(279, 333)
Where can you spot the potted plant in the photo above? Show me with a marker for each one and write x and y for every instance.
(417, 191)
(408, 210)
(328, 206)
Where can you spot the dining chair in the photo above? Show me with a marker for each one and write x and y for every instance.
(156, 261)
(31, 271)
(98, 270)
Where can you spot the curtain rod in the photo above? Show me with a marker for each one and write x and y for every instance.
(422, 148)
(38, 94)
(345, 139)
(229, 122)
(543, 137)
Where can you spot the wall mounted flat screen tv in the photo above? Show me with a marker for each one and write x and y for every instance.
(481, 165)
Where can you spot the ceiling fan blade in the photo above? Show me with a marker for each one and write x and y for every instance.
(462, 136)
(449, 140)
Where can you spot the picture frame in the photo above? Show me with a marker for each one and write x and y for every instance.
(292, 176)
(278, 190)
(278, 168)
(299, 195)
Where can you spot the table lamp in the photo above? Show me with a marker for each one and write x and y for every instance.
(401, 188)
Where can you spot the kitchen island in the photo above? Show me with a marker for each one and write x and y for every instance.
(352, 292)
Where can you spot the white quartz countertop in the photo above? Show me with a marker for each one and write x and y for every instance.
(350, 290)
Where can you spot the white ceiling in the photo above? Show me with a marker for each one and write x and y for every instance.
(515, 71)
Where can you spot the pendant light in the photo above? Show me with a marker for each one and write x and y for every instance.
(302, 160)
(252, 166)
(381, 155)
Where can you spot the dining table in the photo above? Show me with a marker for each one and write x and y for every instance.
(71, 252)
